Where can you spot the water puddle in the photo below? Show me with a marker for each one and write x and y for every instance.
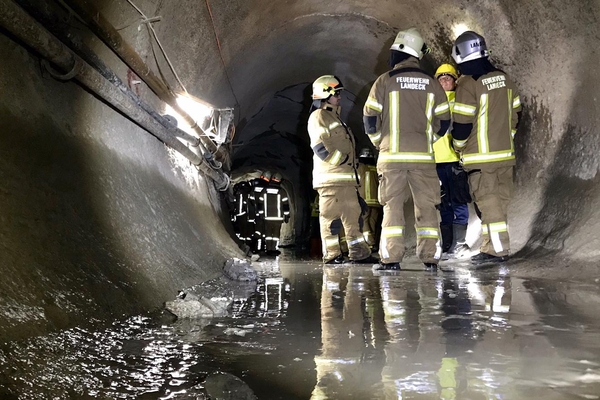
(310, 332)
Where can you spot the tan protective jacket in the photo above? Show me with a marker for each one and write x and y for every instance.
(491, 104)
(369, 184)
(409, 106)
(331, 138)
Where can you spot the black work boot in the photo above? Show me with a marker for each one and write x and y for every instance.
(338, 260)
(485, 258)
(386, 267)
(432, 267)
(447, 237)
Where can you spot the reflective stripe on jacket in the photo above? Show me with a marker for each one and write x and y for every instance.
(409, 106)
(443, 150)
(332, 139)
(369, 184)
(491, 104)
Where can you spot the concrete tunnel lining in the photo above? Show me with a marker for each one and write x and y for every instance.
(550, 48)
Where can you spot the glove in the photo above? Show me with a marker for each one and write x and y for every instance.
(460, 192)
(364, 208)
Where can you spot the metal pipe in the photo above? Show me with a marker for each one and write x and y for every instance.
(53, 18)
(102, 28)
(23, 27)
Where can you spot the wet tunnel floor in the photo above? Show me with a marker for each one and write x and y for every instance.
(310, 332)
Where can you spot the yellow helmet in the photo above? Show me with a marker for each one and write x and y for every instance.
(325, 86)
(410, 42)
(446, 69)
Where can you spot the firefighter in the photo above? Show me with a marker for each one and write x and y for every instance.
(243, 221)
(334, 174)
(257, 198)
(454, 213)
(367, 171)
(285, 203)
(276, 211)
(486, 114)
(406, 111)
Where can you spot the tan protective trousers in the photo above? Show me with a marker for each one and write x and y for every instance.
(491, 190)
(371, 230)
(341, 203)
(395, 187)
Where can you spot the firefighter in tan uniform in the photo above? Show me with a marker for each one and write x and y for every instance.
(369, 182)
(407, 110)
(334, 174)
(486, 113)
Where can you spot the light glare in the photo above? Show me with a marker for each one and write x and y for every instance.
(195, 109)
(459, 29)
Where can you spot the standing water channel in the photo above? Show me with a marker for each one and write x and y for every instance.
(314, 332)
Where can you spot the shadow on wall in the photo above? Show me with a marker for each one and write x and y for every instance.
(568, 197)
(53, 244)
(567, 221)
(87, 235)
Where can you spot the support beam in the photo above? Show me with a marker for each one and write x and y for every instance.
(113, 39)
(23, 27)
(53, 17)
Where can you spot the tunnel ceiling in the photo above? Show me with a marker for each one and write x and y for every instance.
(269, 45)
(292, 42)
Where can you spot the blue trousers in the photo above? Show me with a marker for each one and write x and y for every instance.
(451, 212)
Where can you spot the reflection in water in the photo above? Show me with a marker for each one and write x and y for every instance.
(313, 332)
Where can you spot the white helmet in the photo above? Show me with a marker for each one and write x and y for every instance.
(276, 177)
(469, 46)
(410, 42)
(266, 176)
(325, 86)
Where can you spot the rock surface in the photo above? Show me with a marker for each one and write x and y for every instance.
(224, 386)
(239, 270)
(193, 306)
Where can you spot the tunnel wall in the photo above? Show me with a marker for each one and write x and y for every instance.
(99, 218)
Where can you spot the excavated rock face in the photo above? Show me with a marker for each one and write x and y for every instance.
(93, 204)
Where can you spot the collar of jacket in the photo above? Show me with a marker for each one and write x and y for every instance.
(331, 107)
(409, 62)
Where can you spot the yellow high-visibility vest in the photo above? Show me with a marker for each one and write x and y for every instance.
(442, 149)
